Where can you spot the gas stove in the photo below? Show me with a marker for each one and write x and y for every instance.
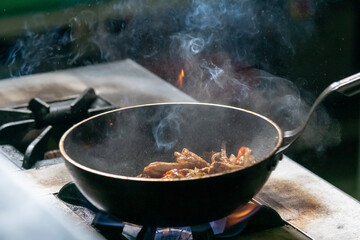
(250, 218)
(36, 129)
(302, 205)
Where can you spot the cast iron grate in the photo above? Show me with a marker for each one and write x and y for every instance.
(113, 228)
(35, 129)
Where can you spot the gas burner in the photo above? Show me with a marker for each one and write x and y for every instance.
(35, 130)
(249, 218)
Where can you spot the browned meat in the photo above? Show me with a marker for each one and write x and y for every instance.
(176, 173)
(218, 167)
(244, 157)
(190, 158)
(187, 173)
(158, 169)
(189, 165)
(185, 159)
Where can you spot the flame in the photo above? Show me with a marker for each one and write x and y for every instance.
(242, 213)
(180, 79)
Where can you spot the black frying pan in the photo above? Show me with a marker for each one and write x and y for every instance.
(105, 153)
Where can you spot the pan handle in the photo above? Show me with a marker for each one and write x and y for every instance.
(348, 86)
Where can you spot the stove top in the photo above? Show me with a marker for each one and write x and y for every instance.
(308, 205)
(251, 218)
(35, 129)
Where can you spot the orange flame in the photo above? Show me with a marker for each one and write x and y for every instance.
(242, 213)
(180, 79)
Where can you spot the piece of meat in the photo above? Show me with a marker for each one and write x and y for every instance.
(189, 165)
(186, 173)
(190, 158)
(185, 159)
(222, 156)
(244, 157)
(216, 157)
(176, 173)
(158, 169)
(219, 167)
(198, 172)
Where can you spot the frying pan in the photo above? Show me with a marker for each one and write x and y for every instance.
(105, 153)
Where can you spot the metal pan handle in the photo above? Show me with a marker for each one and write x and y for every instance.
(348, 86)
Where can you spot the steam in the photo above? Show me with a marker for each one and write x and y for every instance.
(163, 131)
(249, 31)
(28, 53)
(231, 52)
(57, 47)
(241, 28)
(220, 35)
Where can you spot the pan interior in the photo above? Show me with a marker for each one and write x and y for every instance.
(123, 142)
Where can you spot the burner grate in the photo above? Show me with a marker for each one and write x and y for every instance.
(36, 129)
(113, 228)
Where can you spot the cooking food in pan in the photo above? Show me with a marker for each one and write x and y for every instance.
(190, 165)
(102, 154)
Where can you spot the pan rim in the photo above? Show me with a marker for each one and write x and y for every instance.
(118, 176)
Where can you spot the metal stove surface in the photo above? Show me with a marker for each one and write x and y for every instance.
(304, 200)
(122, 83)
